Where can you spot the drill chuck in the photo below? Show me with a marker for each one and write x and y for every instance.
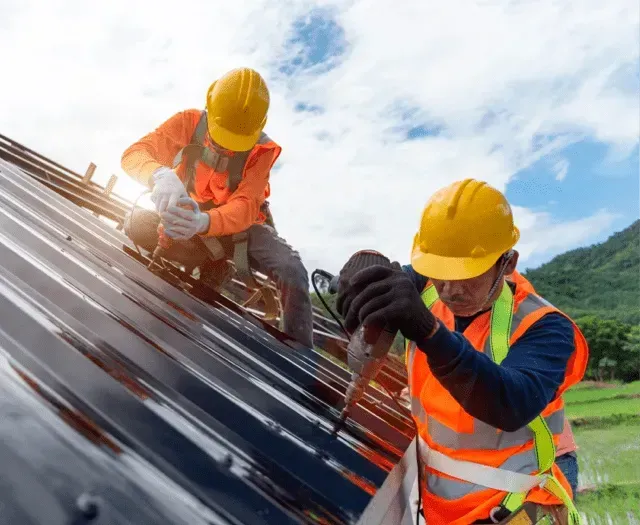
(356, 389)
(163, 244)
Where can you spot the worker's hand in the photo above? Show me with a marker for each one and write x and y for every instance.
(358, 261)
(167, 189)
(387, 297)
(184, 220)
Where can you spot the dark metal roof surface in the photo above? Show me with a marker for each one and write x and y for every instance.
(118, 386)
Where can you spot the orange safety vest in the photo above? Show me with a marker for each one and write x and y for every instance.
(469, 467)
(210, 177)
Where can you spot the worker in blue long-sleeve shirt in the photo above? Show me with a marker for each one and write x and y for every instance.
(527, 397)
(488, 359)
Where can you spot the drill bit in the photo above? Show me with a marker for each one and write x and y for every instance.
(341, 421)
(155, 258)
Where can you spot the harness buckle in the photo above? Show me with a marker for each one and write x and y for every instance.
(543, 480)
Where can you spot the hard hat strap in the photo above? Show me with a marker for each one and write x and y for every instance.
(503, 266)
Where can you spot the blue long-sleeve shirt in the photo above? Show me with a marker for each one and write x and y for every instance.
(506, 396)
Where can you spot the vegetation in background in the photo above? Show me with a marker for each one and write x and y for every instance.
(599, 287)
(587, 392)
(614, 348)
(602, 280)
(604, 408)
(613, 504)
(608, 450)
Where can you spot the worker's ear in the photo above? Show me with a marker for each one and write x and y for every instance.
(513, 262)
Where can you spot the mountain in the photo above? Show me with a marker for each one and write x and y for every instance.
(602, 279)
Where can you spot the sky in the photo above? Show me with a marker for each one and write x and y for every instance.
(376, 106)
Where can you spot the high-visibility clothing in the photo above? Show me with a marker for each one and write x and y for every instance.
(469, 467)
(238, 209)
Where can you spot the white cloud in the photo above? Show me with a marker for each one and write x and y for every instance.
(561, 168)
(541, 237)
(83, 81)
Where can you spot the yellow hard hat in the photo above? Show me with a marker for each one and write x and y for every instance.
(237, 105)
(464, 230)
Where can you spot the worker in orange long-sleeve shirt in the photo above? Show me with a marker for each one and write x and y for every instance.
(209, 174)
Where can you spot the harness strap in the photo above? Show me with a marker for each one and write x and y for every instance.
(501, 317)
(484, 475)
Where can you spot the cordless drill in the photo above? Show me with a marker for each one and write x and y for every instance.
(366, 352)
(164, 242)
(368, 345)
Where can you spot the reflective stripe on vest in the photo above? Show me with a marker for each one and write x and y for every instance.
(508, 477)
(504, 322)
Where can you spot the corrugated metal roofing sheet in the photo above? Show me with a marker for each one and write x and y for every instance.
(124, 393)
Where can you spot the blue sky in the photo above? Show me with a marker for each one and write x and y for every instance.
(375, 108)
(594, 180)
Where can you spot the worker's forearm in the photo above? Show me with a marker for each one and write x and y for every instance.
(140, 163)
(159, 147)
(506, 396)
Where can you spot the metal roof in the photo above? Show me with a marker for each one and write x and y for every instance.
(130, 397)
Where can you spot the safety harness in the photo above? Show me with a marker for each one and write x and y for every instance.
(516, 484)
(195, 152)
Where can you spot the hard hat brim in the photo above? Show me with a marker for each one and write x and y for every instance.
(457, 268)
(232, 141)
(452, 268)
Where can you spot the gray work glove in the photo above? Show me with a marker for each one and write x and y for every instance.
(184, 220)
(358, 261)
(167, 189)
(386, 296)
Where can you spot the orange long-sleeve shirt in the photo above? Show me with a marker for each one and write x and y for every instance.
(238, 210)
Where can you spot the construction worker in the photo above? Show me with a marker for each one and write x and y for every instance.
(209, 175)
(488, 359)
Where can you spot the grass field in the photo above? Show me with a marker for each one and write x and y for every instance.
(604, 408)
(590, 393)
(606, 424)
(611, 505)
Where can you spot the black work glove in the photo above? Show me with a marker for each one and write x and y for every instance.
(386, 296)
(358, 261)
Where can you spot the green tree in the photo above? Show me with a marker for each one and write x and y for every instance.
(607, 339)
(631, 350)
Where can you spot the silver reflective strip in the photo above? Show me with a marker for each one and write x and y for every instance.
(450, 489)
(530, 304)
(486, 437)
(453, 489)
(412, 355)
(418, 410)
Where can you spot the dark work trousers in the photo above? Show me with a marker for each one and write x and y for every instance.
(268, 254)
